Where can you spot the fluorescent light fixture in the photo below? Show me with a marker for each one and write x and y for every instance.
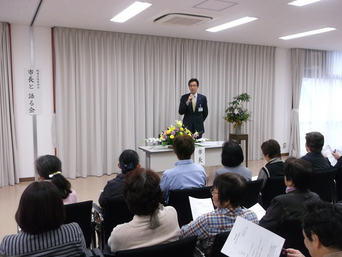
(303, 2)
(308, 33)
(231, 24)
(131, 11)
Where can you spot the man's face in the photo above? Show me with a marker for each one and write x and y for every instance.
(193, 87)
(309, 245)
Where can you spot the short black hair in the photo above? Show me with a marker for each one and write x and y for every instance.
(193, 80)
(40, 208)
(299, 171)
(271, 148)
(142, 192)
(184, 146)
(314, 141)
(231, 187)
(129, 160)
(231, 155)
(324, 220)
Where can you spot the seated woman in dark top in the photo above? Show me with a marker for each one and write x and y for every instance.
(40, 216)
(128, 161)
(298, 176)
(275, 166)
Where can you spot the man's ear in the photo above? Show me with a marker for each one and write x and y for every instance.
(119, 165)
(138, 166)
(316, 242)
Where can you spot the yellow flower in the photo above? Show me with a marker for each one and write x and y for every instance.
(181, 133)
(172, 136)
(172, 128)
(181, 129)
(168, 132)
(179, 123)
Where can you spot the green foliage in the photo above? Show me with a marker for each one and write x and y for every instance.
(236, 113)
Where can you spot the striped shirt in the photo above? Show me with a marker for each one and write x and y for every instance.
(208, 225)
(67, 240)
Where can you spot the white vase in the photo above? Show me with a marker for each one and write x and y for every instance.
(238, 129)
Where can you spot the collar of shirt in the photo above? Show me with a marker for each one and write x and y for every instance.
(183, 162)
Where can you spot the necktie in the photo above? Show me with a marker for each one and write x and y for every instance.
(194, 104)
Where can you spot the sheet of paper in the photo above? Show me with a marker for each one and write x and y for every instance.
(252, 240)
(258, 210)
(327, 152)
(200, 206)
(199, 155)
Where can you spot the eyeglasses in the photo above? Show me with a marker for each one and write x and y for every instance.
(212, 191)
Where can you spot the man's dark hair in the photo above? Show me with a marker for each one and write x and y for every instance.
(324, 220)
(142, 192)
(231, 155)
(271, 148)
(314, 141)
(184, 146)
(299, 171)
(231, 187)
(40, 209)
(192, 80)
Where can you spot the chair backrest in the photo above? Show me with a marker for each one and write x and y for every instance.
(323, 184)
(183, 247)
(253, 192)
(219, 241)
(179, 199)
(81, 213)
(115, 213)
(291, 230)
(274, 186)
(338, 180)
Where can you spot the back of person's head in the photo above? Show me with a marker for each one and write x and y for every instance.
(193, 80)
(128, 160)
(142, 192)
(324, 220)
(299, 171)
(314, 141)
(40, 208)
(49, 167)
(231, 187)
(231, 155)
(184, 146)
(271, 148)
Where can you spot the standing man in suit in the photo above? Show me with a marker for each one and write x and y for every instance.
(194, 107)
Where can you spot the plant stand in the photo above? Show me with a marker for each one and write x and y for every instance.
(238, 138)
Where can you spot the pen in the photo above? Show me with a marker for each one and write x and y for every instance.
(335, 151)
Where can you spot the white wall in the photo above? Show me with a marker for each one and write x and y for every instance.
(43, 61)
(24, 123)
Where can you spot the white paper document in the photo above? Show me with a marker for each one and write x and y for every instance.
(199, 155)
(252, 240)
(200, 206)
(327, 152)
(258, 210)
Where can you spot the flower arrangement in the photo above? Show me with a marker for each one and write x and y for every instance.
(235, 113)
(167, 136)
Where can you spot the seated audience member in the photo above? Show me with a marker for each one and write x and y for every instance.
(231, 159)
(322, 230)
(40, 216)
(275, 166)
(298, 176)
(128, 161)
(185, 174)
(228, 193)
(49, 167)
(152, 223)
(314, 144)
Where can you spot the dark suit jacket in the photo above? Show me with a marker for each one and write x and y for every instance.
(194, 120)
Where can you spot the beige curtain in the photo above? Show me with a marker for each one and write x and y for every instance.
(113, 90)
(8, 154)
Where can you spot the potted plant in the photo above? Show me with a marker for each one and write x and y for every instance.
(236, 113)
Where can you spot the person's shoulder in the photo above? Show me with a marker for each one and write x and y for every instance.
(71, 226)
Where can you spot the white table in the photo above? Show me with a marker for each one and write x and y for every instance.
(160, 158)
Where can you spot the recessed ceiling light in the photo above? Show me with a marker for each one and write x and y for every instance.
(231, 24)
(303, 2)
(308, 33)
(131, 11)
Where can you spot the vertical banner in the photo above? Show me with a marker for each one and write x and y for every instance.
(199, 155)
(33, 92)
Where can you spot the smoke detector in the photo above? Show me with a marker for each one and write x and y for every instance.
(182, 19)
